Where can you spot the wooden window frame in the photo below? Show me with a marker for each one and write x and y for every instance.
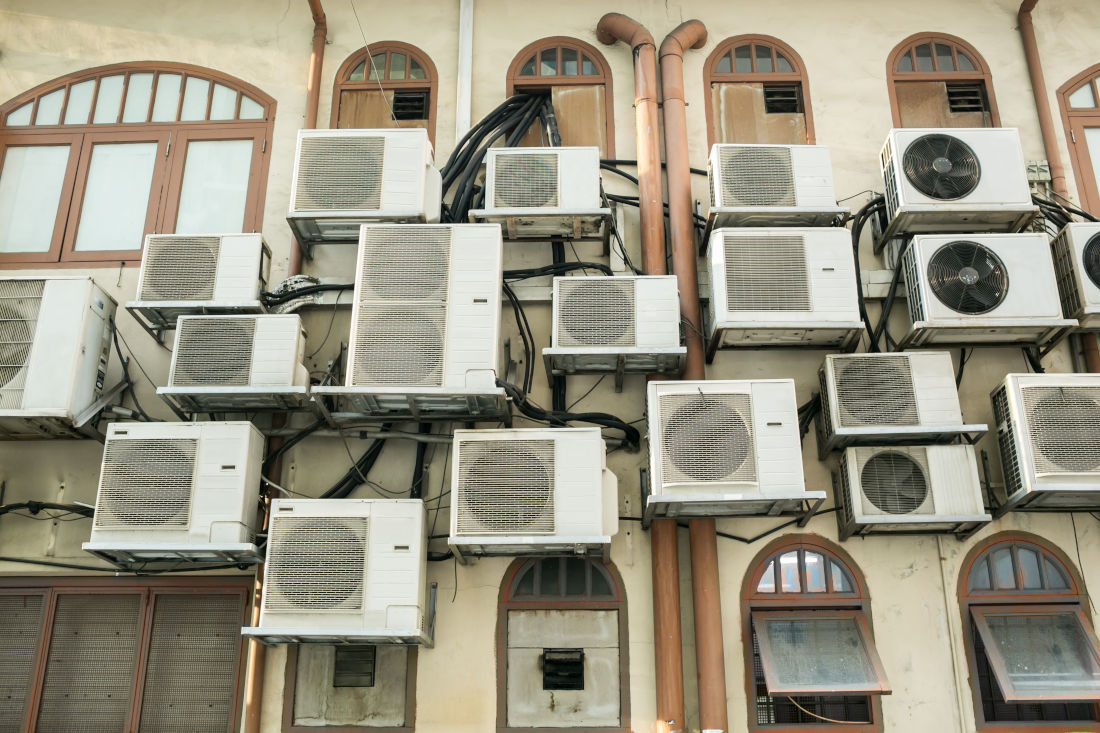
(506, 603)
(1074, 120)
(51, 588)
(172, 138)
(344, 84)
(517, 84)
(980, 74)
(1072, 596)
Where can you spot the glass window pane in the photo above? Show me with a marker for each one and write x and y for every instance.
(377, 67)
(1043, 655)
(80, 103)
(782, 65)
(397, 66)
(764, 60)
(416, 71)
(1092, 140)
(742, 56)
(601, 588)
(108, 100)
(49, 108)
(944, 62)
(30, 191)
(568, 62)
(924, 57)
(358, 72)
(525, 586)
(965, 64)
(1029, 568)
(215, 186)
(548, 62)
(138, 89)
(588, 67)
(575, 571)
(223, 105)
(549, 579)
(1083, 98)
(1003, 573)
(1055, 578)
(250, 109)
(21, 116)
(788, 572)
(905, 63)
(979, 576)
(116, 196)
(724, 65)
(807, 654)
(195, 93)
(528, 68)
(767, 580)
(839, 579)
(815, 572)
(168, 98)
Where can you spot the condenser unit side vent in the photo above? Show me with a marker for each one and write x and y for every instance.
(526, 181)
(316, 564)
(1006, 441)
(340, 173)
(20, 302)
(890, 176)
(146, 482)
(913, 289)
(707, 438)
(177, 268)
(875, 390)
(596, 312)
(214, 352)
(767, 273)
(1062, 249)
(506, 487)
(757, 176)
(1063, 425)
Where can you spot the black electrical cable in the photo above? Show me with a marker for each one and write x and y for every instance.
(963, 358)
(1065, 207)
(891, 295)
(746, 540)
(34, 507)
(623, 161)
(860, 219)
(355, 475)
(631, 436)
(272, 299)
(126, 373)
(290, 443)
(1031, 353)
(525, 336)
(416, 491)
(698, 221)
(622, 174)
(558, 399)
(135, 571)
(556, 270)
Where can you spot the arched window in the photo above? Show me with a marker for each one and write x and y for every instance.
(759, 93)
(579, 82)
(937, 80)
(1079, 99)
(806, 620)
(383, 85)
(93, 161)
(563, 647)
(1030, 645)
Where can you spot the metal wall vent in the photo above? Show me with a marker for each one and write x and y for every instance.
(506, 487)
(405, 263)
(214, 352)
(526, 181)
(1063, 424)
(340, 174)
(767, 273)
(316, 563)
(596, 312)
(756, 176)
(707, 438)
(875, 390)
(20, 301)
(179, 268)
(894, 482)
(146, 483)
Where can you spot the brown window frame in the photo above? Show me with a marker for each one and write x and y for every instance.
(51, 588)
(343, 81)
(1023, 600)
(517, 84)
(508, 602)
(980, 74)
(171, 137)
(1075, 120)
(857, 602)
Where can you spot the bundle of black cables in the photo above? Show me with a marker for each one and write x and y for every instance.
(1059, 214)
(860, 219)
(631, 437)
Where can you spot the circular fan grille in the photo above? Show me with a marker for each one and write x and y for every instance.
(512, 493)
(144, 487)
(191, 282)
(15, 340)
(707, 440)
(749, 175)
(941, 167)
(1061, 428)
(406, 270)
(400, 347)
(525, 181)
(214, 352)
(875, 391)
(968, 277)
(315, 576)
(597, 312)
(1090, 259)
(894, 483)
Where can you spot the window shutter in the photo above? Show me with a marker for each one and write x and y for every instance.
(19, 635)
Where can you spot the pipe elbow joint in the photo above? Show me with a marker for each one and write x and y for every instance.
(618, 27)
(689, 34)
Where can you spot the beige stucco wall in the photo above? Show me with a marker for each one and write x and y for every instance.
(844, 46)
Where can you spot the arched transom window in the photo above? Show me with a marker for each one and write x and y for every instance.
(938, 80)
(1079, 99)
(386, 85)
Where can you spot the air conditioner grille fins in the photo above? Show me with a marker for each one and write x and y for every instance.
(894, 483)
(875, 390)
(707, 438)
(405, 263)
(146, 483)
(767, 274)
(179, 268)
(757, 176)
(340, 174)
(942, 167)
(526, 181)
(214, 352)
(19, 304)
(1063, 424)
(316, 563)
(1090, 259)
(596, 312)
(399, 346)
(1006, 441)
(506, 487)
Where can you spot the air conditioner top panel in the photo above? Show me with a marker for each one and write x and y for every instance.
(417, 134)
(522, 433)
(798, 176)
(493, 152)
(347, 507)
(153, 430)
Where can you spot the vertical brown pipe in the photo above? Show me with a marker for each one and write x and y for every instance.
(313, 97)
(667, 640)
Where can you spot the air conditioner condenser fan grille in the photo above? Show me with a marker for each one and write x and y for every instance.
(706, 437)
(756, 176)
(596, 312)
(1063, 424)
(340, 174)
(1090, 259)
(968, 277)
(894, 483)
(398, 346)
(766, 273)
(405, 263)
(179, 268)
(20, 301)
(505, 487)
(146, 482)
(941, 167)
(316, 563)
(214, 352)
(875, 390)
(526, 180)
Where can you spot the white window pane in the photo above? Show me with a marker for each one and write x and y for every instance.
(49, 108)
(825, 654)
(194, 99)
(215, 186)
(168, 98)
(1092, 139)
(21, 116)
(137, 98)
(224, 103)
(116, 196)
(80, 103)
(1083, 98)
(108, 100)
(250, 109)
(30, 191)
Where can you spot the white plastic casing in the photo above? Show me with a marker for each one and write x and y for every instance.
(235, 270)
(577, 187)
(273, 357)
(1079, 288)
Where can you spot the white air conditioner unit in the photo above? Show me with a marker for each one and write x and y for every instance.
(890, 399)
(544, 192)
(982, 289)
(532, 492)
(782, 287)
(345, 178)
(425, 324)
(178, 492)
(1048, 428)
(238, 364)
(771, 186)
(345, 571)
(955, 180)
(931, 489)
(615, 325)
(55, 341)
(190, 274)
(726, 447)
(1077, 264)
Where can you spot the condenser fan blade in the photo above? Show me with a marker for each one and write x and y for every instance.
(968, 277)
(941, 167)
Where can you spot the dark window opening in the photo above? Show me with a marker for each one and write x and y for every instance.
(967, 98)
(410, 105)
(354, 666)
(782, 99)
(563, 669)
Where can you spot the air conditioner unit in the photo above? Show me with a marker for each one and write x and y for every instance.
(425, 324)
(782, 287)
(1048, 427)
(55, 341)
(890, 399)
(1077, 264)
(238, 364)
(345, 571)
(178, 492)
(190, 274)
(345, 178)
(532, 492)
(982, 289)
(615, 325)
(771, 186)
(726, 447)
(955, 180)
